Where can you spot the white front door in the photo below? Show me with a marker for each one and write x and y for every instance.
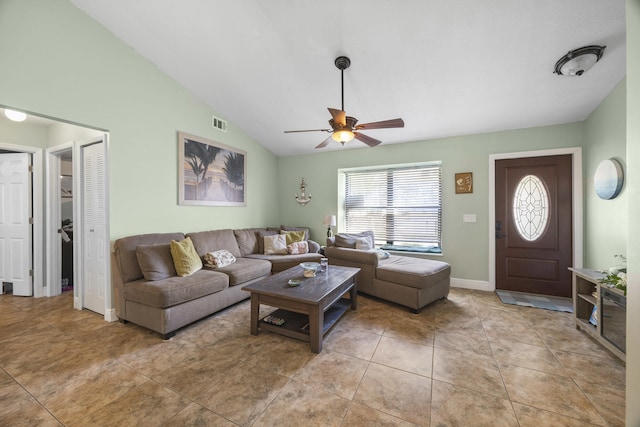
(94, 280)
(15, 229)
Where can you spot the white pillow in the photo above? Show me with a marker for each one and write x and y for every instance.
(275, 245)
(364, 243)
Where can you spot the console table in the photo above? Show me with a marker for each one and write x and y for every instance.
(608, 325)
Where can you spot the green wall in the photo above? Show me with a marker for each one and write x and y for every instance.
(465, 245)
(605, 220)
(58, 62)
(633, 183)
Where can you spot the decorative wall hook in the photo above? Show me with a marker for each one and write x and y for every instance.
(303, 199)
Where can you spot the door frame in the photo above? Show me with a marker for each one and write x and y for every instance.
(577, 220)
(37, 259)
(53, 257)
(78, 227)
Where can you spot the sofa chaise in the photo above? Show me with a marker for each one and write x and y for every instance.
(149, 293)
(408, 281)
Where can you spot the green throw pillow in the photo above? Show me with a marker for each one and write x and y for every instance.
(185, 257)
(293, 236)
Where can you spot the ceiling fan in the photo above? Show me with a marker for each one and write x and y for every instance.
(343, 127)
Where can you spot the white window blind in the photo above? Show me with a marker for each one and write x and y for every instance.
(402, 205)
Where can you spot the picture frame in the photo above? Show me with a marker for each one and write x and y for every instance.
(464, 182)
(210, 173)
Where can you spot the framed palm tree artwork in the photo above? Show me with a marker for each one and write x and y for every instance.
(210, 173)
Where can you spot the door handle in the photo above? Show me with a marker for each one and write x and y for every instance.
(499, 234)
(91, 230)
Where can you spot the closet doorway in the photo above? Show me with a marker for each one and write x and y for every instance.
(60, 213)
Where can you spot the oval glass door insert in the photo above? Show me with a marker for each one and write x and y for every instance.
(530, 207)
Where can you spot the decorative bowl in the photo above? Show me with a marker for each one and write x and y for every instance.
(310, 268)
(293, 282)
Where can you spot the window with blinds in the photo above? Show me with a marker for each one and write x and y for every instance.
(402, 205)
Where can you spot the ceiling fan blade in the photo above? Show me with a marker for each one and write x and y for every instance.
(371, 142)
(385, 124)
(339, 116)
(324, 143)
(308, 130)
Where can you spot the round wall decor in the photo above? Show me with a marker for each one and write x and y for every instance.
(608, 179)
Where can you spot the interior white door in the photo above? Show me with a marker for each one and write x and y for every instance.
(94, 227)
(15, 229)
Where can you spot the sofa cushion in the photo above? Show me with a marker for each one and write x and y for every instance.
(247, 239)
(349, 240)
(412, 272)
(293, 236)
(283, 262)
(176, 290)
(261, 235)
(125, 252)
(209, 241)
(218, 259)
(155, 261)
(364, 243)
(185, 257)
(246, 269)
(275, 245)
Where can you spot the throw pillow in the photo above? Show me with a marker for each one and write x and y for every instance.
(297, 248)
(185, 257)
(346, 240)
(261, 236)
(364, 243)
(293, 236)
(155, 261)
(382, 254)
(275, 245)
(218, 259)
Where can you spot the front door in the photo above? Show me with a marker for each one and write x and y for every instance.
(533, 228)
(15, 227)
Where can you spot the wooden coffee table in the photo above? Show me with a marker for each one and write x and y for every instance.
(310, 309)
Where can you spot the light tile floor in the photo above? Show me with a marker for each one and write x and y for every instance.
(465, 361)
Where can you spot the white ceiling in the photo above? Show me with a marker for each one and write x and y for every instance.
(446, 67)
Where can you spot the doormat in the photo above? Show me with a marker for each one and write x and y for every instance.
(536, 301)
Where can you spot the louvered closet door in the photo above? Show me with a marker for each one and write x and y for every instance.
(15, 230)
(94, 228)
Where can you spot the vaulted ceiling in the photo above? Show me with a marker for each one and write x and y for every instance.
(446, 67)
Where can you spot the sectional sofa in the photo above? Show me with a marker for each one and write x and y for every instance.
(408, 281)
(149, 293)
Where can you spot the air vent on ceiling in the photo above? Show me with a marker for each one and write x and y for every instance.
(218, 123)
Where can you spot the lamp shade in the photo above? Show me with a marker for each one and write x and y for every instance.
(329, 220)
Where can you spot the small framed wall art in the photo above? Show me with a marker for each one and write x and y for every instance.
(464, 182)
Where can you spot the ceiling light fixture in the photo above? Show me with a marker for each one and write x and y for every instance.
(342, 136)
(16, 116)
(577, 61)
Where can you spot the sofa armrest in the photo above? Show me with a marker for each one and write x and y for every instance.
(314, 247)
(352, 255)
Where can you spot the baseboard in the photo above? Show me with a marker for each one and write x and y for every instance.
(478, 285)
(110, 315)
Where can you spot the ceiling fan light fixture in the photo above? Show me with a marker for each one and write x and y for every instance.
(578, 61)
(343, 135)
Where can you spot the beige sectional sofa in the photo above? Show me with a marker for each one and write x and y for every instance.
(408, 281)
(149, 293)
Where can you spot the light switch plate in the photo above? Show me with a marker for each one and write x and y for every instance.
(469, 218)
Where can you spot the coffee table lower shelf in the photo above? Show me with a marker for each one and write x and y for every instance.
(296, 325)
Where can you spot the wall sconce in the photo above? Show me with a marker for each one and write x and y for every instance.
(329, 221)
(303, 199)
